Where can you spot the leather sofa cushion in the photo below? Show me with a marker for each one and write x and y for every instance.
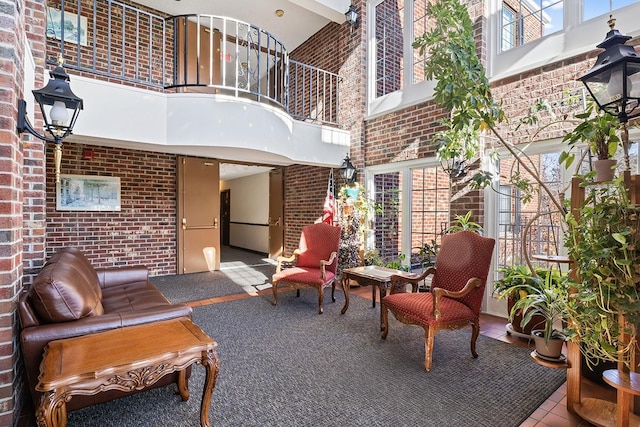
(66, 288)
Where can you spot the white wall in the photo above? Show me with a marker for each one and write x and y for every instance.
(206, 125)
(249, 206)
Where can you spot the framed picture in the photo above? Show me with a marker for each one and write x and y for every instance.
(88, 193)
(71, 31)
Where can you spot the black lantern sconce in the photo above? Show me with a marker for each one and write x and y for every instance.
(614, 81)
(348, 172)
(352, 17)
(455, 167)
(59, 107)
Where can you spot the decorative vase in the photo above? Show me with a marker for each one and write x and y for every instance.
(551, 350)
(605, 169)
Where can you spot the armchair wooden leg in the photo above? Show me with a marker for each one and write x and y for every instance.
(274, 290)
(385, 320)
(298, 293)
(333, 291)
(320, 299)
(475, 331)
(428, 348)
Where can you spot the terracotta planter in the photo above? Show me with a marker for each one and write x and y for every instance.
(605, 169)
(551, 350)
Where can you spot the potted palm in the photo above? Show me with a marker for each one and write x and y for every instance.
(544, 295)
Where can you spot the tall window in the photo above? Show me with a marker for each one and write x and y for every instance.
(429, 205)
(509, 28)
(527, 20)
(396, 24)
(593, 8)
(389, 26)
(413, 210)
(388, 220)
(420, 25)
(544, 235)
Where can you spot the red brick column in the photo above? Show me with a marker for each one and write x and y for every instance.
(11, 60)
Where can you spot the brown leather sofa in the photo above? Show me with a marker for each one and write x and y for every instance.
(70, 298)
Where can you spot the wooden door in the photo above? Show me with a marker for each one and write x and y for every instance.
(276, 213)
(197, 66)
(198, 215)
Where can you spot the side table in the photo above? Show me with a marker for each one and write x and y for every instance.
(125, 359)
(376, 277)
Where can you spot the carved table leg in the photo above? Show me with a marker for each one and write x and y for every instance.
(183, 387)
(52, 411)
(345, 288)
(211, 362)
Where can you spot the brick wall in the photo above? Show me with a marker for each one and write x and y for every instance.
(136, 42)
(143, 232)
(305, 190)
(11, 158)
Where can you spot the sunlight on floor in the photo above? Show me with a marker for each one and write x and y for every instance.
(249, 279)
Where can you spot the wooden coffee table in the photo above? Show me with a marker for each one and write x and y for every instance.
(125, 359)
(377, 277)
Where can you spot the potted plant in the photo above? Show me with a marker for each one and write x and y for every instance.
(545, 296)
(604, 242)
(600, 131)
(511, 287)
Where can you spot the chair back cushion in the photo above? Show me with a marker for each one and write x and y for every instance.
(463, 256)
(317, 241)
(66, 288)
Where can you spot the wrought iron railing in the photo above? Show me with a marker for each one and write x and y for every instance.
(188, 53)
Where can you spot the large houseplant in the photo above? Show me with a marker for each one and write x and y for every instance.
(604, 242)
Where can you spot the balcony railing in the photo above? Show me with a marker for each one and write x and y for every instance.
(188, 53)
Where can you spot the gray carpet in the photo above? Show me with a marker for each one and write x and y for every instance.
(240, 271)
(288, 366)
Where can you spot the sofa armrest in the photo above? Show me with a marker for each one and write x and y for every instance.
(121, 275)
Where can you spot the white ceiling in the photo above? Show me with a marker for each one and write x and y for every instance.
(233, 171)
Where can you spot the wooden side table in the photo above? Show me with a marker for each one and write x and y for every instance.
(376, 277)
(125, 359)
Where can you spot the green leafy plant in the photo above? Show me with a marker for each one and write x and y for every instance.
(604, 241)
(599, 130)
(544, 293)
(398, 263)
(463, 222)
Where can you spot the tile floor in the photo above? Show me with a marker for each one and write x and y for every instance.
(552, 413)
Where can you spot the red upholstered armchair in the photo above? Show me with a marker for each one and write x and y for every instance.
(457, 289)
(316, 262)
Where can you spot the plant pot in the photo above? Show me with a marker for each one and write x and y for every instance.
(551, 350)
(536, 322)
(605, 169)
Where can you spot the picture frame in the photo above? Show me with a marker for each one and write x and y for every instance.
(88, 193)
(71, 31)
